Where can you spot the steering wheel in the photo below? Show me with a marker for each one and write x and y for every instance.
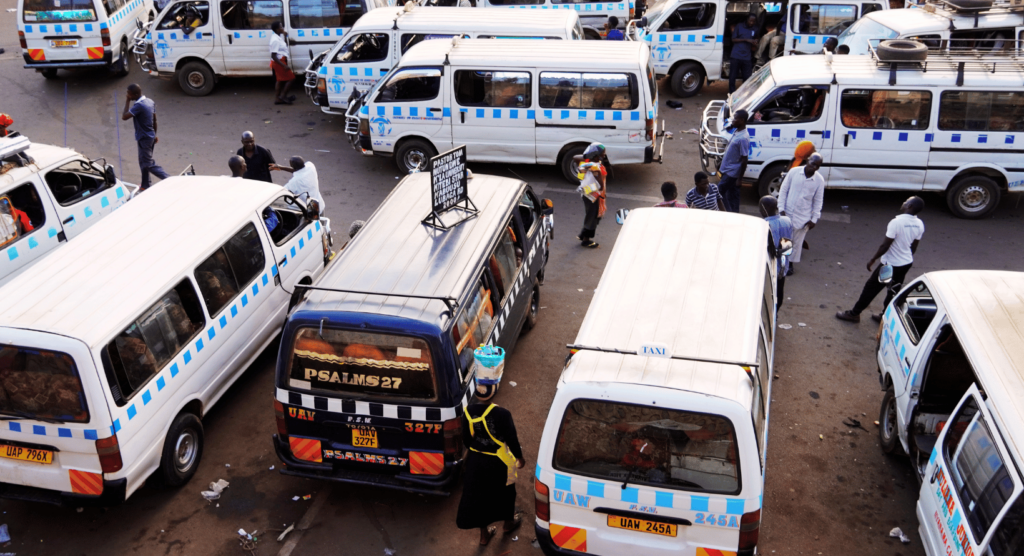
(77, 180)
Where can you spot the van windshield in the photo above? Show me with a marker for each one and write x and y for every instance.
(40, 384)
(648, 445)
(752, 90)
(364, 363)
(655, 12)
(56, 11)
(863, 31)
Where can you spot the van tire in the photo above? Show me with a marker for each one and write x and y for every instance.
(687, 80)
(196, 79)
(973, 197)
(888, 435)
(412, 150)
(770, 180)
(972, 4)
(569, 168)
(902, 50)
(533, 311)
(183, 449)
(49, 73)
(591, 35)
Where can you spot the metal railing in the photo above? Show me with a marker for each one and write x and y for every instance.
(988, 55)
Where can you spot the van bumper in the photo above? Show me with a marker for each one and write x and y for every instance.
(113, 495)
(60, 64)
(440, 485)
(549, 548)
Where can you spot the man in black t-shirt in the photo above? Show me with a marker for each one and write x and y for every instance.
(257, 159)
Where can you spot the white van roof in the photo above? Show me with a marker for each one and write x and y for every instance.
(986, 309)
(542, 23)
(568, 55)
(864, 70)
(94, 286)
(913, 21)
(691, 279)
(43, 155)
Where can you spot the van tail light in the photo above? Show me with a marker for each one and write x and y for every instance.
(282, 427)
(105, 35)
(110, 454)
(649, 127)
(452, 439)
(750, 526)
(540, 496)
(21, 38)
(321, 86)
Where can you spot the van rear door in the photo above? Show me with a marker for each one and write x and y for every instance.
(53, 410)
(970, 484)
(63, 31)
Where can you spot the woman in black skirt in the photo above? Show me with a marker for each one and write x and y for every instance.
(486, 498)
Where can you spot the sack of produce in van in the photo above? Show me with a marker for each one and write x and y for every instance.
(488, 364)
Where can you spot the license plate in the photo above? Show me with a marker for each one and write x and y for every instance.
(642, 525)
(64, 44)
(364, 437)
(26, 454)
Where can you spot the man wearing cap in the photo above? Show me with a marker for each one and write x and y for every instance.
(800, 199)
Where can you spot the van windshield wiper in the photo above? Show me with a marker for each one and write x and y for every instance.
(15, 415)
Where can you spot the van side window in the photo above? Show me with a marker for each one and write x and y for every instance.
(1009, 537)
(768, 305)
(860, 108)
(410, 40)
(472, 326)
(505, 261)
(981, 110)
(493, 88)
(248, 14)
(411, 85)
(985, 40)
(282, 220)
(760, 398)
(44, 11)
(229, 269)
(517, 2)
(111, 6)
(865, 9)
(186, 15)
(602, 91)
(916, 308)
(528, 212)
(364, 47)
(21, 213)
(75, 181)
(822, 19)
(790, 105)
(976, 468)
(149, 343)
(323, 14)
(690, 16)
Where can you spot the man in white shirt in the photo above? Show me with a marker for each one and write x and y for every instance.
(901, 239)
(304, 184)
(800, 199)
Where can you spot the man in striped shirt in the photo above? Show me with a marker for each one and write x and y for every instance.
(705, 195)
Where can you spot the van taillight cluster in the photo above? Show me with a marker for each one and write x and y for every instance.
(21, 38)
(282, 427)
(110, 454)
(750, 526)
(452, 439)
(649, 127)
(105, 35)
(540, 495)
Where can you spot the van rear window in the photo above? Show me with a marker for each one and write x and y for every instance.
(639, 444)
(350, 362)
(57, 11)
(40, 384)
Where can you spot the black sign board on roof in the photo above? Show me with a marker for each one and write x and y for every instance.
(449, 188)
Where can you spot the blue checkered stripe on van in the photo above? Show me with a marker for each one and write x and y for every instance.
(685, 38)
(588, 7)
(190, 37)
(124, 12)
(574, 114)
(40, 30)
(582, 488)
(84, 211)
(182, 361)
(369, 409)
(338, 31)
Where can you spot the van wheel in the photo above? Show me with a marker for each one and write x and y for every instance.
(888, 436)
(973, 196)
(687, 80)
(124, 65)
(533, 313)
(183, 448)
(770, 180)
(591, 35)
(570, 169)
(49, 73)
(196, 79)
(414, 154)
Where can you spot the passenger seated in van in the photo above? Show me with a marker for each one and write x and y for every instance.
(21, 220)
(136, 357)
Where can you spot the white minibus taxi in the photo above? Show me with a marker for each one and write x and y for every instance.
(114, 348)
(379, 39)
(655, 441)
(49, 195)
(62, 34)
(593, 13)
(521, 101)
(945, 122)
(950, 361)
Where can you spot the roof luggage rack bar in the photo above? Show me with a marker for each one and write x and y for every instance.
(450, 302)
(961, 60)
(978, 8)
(746, 366)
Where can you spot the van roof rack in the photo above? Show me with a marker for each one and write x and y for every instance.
(12, 149)
(958, 59)
(978, 7)
(450, 302)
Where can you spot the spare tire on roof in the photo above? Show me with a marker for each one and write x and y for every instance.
(971, 4)
(901, 50)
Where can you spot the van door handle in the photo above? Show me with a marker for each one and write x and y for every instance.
(818, 132)
(229, 39)
(282, 262)
(907, 359)
(68, 219)
(462, 115)
(846, 139)
(433, 109)
(710, 37)
(935, 473)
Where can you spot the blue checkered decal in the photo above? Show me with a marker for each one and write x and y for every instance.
(588, 7)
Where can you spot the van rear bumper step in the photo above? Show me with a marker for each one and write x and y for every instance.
(113, 495)
(440, 486)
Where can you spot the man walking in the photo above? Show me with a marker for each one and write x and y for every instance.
(901, 238)
(279, 63)
(800, 199)
(305, 183)
(780, 228)
(734, 161)
(741, 58)
(257, 159)
(670, 192)
(143, 115)
(704, 195)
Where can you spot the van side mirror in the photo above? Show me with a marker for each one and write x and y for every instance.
(547, 207)
(109, 176)
(643, 22)
(312, 211)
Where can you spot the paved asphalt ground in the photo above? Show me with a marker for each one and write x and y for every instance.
(834, 495)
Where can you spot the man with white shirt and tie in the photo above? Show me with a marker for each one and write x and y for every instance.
(800, 199)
